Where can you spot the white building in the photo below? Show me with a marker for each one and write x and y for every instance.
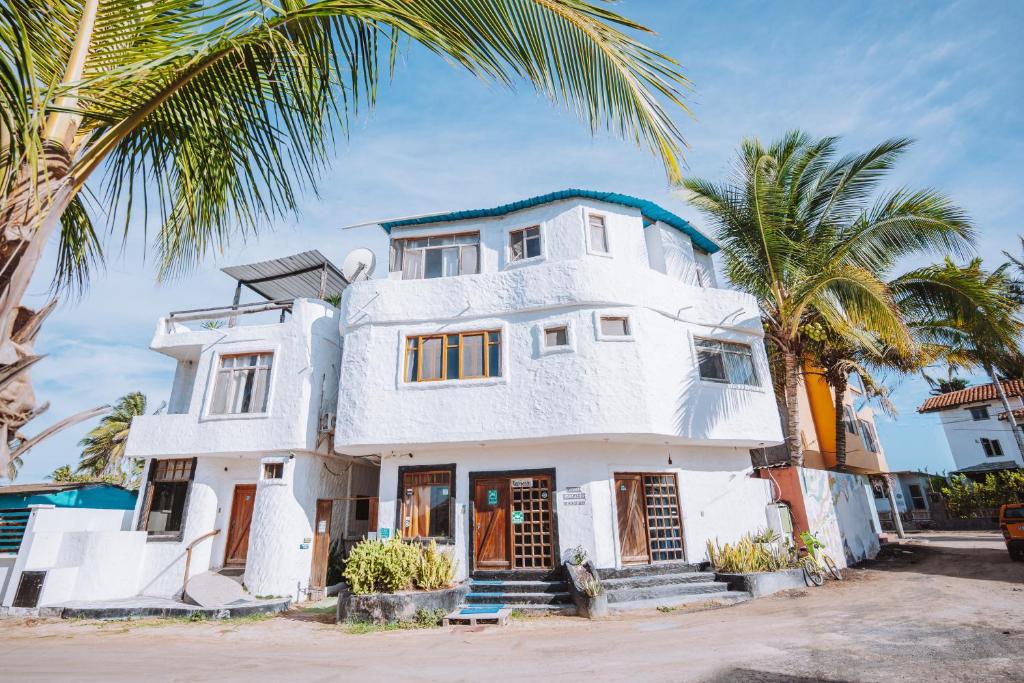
(558, 372)
(977, 427)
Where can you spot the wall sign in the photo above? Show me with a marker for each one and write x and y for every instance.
(574, 495)
(492, 496)
(303, 546)
(522, 483)
(517, 516)
(321, 526)
(384, 533)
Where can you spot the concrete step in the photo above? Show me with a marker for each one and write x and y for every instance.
(531, 610)
(648, 570)
(518, 599)
(699, 601)
(665, 590)
(553, 574)
(212, 590)
(488, 586)
(639, 581)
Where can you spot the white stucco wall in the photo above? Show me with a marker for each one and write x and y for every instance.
(307, 352)
(841, 513)
(718, 497)
(964, 434)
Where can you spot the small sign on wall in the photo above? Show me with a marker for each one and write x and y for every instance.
(321, 526)
(522, 483)
(492, 496)
(574, 495)
(517, 516)
(384, 533)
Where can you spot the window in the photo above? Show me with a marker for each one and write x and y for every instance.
(597, 234)
(917, 496)
(867, 433)
(242, 384)
(273, 470)
(979, 413)
(721, 361)
(466, 355)
(614, 326)
(426, 510)
(992, 447)
(556, 336)
(524, 244)
(362, 513)
(166, 492)
(419, 258)
(849, 419)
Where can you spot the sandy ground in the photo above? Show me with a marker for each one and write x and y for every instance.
(950, 609)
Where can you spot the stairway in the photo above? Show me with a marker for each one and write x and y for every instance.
(664, 585)
(524, 591)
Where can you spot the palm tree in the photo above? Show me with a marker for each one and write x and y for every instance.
(808, 235)
(214, 113)
(946, 385)
(103, 447)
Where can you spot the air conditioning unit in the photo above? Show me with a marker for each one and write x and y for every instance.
(327, 422)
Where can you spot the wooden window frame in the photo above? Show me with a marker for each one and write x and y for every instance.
(273, 470)
(526, 238)
(219, 371)
(395, 267)
(443, 337)
(147, 501)
(591, 249)
(982, 409)
(449, 469)
(991, 447)
(601, 316)
(556, 329)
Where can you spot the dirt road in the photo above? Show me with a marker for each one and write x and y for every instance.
(950, 609)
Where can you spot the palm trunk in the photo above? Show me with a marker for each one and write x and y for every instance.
(792, 380)
(1017, 436)
(840, 389)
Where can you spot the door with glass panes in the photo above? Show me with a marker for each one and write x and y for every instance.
(649, 519)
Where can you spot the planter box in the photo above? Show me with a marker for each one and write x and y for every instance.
(759, 584)
(384, 608)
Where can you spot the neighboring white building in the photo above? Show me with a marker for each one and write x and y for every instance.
(977, 428)
(558, 372)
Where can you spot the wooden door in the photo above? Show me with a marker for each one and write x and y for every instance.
(629, 502)
(238, 526)
(321, 544)
(491, 524)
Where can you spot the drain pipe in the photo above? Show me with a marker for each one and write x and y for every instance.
(188, 557)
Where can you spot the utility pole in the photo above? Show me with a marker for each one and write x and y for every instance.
(892, 505)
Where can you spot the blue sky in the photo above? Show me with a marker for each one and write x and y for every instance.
(950, 75)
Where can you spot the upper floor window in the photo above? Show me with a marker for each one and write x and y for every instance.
(418, 258)
(992, 447)
(465, 355)
(730, 362)
(849, 419)
(242, 384)
(979, 413)
(556, 336)
(614, 326)
(597, 234)
(524, 244)
(867, 433)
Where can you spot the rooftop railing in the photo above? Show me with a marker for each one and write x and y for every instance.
(227, 316)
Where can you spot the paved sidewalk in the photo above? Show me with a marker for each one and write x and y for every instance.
(948, 609)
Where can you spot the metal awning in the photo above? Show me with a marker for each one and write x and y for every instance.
(308, 275)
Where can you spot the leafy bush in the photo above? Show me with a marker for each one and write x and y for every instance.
(436, 568)
(748, 555)
(381, 566)
(965, 498)
(425, 618)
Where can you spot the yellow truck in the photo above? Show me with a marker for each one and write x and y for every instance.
(1011, 523)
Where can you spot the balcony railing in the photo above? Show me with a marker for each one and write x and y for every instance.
(214, 318)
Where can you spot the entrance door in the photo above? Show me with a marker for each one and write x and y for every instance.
(632, 518)
(491, 524)
(321, 544)
(650, 526)
(238, 527)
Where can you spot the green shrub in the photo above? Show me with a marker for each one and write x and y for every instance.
(435, 569)
(748, 555)
(426, 618)
(381, 566)
(965, 498)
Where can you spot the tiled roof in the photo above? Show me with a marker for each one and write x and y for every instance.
(989, 467)
(982, 392)
(651, 211)
(1018, 414)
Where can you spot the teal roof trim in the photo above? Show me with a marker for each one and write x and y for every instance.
(651, 212)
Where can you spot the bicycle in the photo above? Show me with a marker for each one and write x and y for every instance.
(815, 562)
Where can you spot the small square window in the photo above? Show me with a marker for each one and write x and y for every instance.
(979, 413)
(362, 509)
(615, 326)
(524, 244)
(556, 336)
(273, 470)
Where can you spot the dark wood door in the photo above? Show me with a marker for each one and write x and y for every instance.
(238, 526)
(629, 502)
(321, 544)
(491, 524)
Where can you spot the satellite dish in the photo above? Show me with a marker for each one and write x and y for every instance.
(358, 265)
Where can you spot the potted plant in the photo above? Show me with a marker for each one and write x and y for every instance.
(587, 590)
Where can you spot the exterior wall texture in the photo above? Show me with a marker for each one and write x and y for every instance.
(841, 512)
(964, 434)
